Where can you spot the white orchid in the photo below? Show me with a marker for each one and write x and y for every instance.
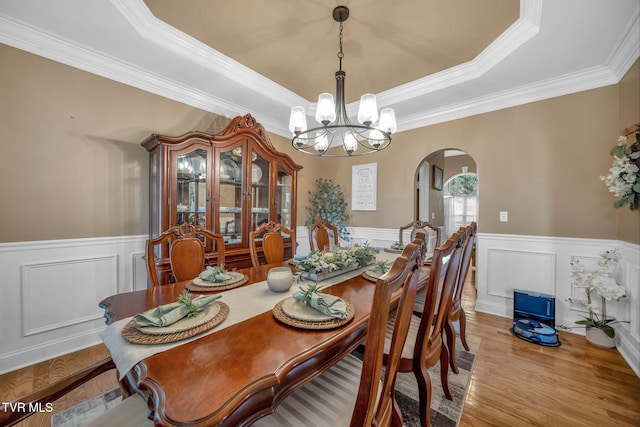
(597, 282)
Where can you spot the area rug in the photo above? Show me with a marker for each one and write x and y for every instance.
(444, 413)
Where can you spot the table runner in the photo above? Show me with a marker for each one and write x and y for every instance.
(244, 302)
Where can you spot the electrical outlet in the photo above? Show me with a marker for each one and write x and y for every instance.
(504, 216)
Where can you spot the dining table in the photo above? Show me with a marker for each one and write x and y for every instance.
(239, 370)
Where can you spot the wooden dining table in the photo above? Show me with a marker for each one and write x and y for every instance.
(236, 374)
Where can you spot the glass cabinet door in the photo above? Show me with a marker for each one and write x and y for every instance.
(260, 176)
(191, 188)
(284, 189)
(230, 195)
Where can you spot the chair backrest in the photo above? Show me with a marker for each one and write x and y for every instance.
(439, 295)
(375, 405)
(319, 235)
(186, 245)
(421, 227)
(470, 239)
(273, 243)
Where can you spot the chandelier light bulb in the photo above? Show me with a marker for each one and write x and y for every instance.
(322, 142)
(388, 120)
(375, 138)
(297, 121)
(326, 109)
(350, 143)
(368, 110)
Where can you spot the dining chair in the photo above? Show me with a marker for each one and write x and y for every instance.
(130, 412)
(456, 312)
(421, 227)
(425, 346)
(319, 235)
(273, 243)
(352, 392)
(186, 245)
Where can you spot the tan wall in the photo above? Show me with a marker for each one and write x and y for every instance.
(72, 164)
(629, 92)
(540, 162)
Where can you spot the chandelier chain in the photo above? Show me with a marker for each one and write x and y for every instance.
(340, 54)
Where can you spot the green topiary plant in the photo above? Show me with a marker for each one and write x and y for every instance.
(327, 203)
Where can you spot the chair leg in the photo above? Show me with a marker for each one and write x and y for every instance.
(444, 372)
(463, 330)
(451, 344)
(396, 415)
(424, 394)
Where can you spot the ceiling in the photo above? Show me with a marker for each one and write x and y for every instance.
(430, 60)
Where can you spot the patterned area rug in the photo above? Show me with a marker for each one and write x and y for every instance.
(444, 413)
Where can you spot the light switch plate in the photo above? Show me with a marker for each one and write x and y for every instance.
(504, 216)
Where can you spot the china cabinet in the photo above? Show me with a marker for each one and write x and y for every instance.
(230, 183)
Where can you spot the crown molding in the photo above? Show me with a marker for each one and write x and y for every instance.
(273, 99)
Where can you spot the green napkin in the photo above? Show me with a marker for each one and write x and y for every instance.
(214, 274)
(329, 305)
(168, 314)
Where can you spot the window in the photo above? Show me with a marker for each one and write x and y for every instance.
(460, 202)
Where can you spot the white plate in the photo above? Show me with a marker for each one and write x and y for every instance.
(228, 169)
(208, 313)
(235, 277)
(256, 173)
(300, 311)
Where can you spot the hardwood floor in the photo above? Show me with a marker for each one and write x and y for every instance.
(514, 383)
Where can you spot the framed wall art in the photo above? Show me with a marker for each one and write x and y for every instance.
(436, 179)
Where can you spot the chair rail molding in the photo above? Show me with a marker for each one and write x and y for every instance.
(51, 290)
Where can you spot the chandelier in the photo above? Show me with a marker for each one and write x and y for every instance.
(337, 136)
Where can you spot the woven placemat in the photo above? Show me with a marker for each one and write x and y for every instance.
(305, 324)
(215, 288)
(371, 277)
(393, 251)
(131, 334)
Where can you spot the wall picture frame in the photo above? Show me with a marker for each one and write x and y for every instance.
(436, 179)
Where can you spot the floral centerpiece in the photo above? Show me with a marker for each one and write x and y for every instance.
(623, 179)
(318, 262)
(598, 282)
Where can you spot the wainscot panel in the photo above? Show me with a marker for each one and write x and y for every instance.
(51, 290)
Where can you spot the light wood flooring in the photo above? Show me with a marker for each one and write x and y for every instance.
(514, 383)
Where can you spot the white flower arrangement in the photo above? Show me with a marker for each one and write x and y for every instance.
(598, 282)
(623, 179)
(340, 259)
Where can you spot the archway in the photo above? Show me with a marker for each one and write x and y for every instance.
(433, 179)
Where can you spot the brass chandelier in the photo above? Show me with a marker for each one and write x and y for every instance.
(337, 136)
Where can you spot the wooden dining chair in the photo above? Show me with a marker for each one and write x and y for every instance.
(421, 227)
(319, 236)
(352, 392)
(456, 313)
(425, 347)
(273, 243)
(186, 245)
(130, 412)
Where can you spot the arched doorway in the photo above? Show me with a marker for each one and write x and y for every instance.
(443, 187)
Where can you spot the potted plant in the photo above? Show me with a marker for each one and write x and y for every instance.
(328, 204)
(598, 282)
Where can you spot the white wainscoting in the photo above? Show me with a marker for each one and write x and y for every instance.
(541, 264)
(51, 290)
